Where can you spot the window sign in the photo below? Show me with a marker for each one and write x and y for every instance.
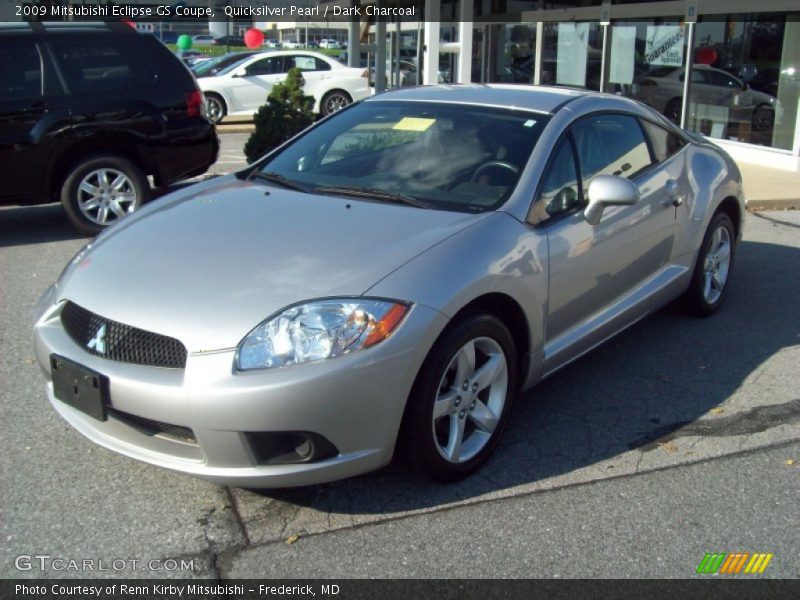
(573, 43)
(623, 54)
(664, 45)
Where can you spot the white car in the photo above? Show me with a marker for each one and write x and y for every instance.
(242, 88)
(329, 44)
(203, 40)
(291, 45)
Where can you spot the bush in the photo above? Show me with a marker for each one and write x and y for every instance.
(287, 112)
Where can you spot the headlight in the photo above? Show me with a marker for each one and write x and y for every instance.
(318, 330)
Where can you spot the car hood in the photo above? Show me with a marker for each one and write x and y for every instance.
(208, 264)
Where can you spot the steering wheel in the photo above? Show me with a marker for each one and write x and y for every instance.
(493, 164)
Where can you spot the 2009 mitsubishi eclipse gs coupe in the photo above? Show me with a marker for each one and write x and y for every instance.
(390, 278)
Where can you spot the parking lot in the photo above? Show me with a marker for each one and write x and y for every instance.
(678, 437)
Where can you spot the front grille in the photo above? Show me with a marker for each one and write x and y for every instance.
(150, 427)
(120, 342)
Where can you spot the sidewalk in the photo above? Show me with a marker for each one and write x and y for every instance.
(766, 188)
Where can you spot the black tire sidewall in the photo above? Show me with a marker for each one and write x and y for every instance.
(69, 189)
(695, 297)
(417, 442)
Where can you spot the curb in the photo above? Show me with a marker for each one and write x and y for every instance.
(236, 128)
(780, 204)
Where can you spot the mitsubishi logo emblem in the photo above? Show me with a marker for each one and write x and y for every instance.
(98, 342)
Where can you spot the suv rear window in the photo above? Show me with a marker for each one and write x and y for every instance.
(93, 65)
(21, 68)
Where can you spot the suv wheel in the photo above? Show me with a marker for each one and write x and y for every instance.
(99, 191)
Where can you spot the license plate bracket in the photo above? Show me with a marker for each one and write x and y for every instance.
(80, 387)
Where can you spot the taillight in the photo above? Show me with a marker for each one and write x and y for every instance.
(365, 74)
(194, 103)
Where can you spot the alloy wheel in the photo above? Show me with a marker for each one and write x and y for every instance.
(106, 195)
(214, 109)
(716, 265)
(470, 400)
(335, 102)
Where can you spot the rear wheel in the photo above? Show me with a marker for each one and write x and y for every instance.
(763, 117)
(461, 399)
(334, 101)
(712, 270)
(101, 190)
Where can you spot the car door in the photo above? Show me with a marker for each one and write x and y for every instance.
(23, 109)
(602, 277)
(316, 73)
(249, 92)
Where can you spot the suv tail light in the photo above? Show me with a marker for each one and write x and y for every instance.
(195, 103)
(365, 74)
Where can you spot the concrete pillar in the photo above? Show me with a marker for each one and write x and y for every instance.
(430, 70)
(380, 55)
(465, 42)
(353, 42)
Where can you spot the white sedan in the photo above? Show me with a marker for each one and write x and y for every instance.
(242, 88)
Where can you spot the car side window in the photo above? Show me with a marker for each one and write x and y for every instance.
(266, 66)
(21, 67)
(609, 144)
(664, 142)
(559, 192)
(91, 66)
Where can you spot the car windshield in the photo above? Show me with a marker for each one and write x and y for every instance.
(437, 155)
(219, 64)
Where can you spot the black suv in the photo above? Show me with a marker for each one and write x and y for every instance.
(88, 112)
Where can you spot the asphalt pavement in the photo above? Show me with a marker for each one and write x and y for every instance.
(678, 437)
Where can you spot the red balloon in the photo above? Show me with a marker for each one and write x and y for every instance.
(129, 22)
(705, 56)
(253, 38)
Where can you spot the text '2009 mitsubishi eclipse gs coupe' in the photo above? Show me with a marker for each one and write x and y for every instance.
(389, 279)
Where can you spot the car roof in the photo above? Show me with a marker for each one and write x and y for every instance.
(543, 99)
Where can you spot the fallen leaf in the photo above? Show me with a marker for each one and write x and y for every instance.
(717, 411)
(292, 539)
(668, 447)
(790, 462)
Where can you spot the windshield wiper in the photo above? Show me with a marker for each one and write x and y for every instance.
(360, 192)
(280, 180)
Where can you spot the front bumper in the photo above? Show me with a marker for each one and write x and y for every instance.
(354, 401)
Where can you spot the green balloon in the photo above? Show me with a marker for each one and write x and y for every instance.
(184, 42)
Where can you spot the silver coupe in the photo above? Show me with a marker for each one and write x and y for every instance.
(389, 280)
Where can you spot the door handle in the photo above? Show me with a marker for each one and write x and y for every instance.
(674, 194)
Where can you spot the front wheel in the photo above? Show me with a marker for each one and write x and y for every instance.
(461, 400)
(334, 101)
(713, 266)
(101, 190)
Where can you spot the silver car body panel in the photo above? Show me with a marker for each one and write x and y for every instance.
(209, 263)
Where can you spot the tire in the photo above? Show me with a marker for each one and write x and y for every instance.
(711, 275)
(126, 189)
(763, 117)
(673, 110)
(430, 443)
(334, 101)
(215, 108)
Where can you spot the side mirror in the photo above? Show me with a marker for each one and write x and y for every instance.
(609, 190)
(240, 72)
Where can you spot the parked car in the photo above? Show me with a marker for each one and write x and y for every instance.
(191, 56)
(329, 44)
(241, 91)
(229, 40)
(203, 40)
(291, 45)
(217, 65)
(88, 112)
(662, 88)
(313, 44)
(391, 279)
(271, 43)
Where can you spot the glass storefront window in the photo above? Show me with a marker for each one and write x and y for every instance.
(504, 53)
(745, 86)
(572, 54)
